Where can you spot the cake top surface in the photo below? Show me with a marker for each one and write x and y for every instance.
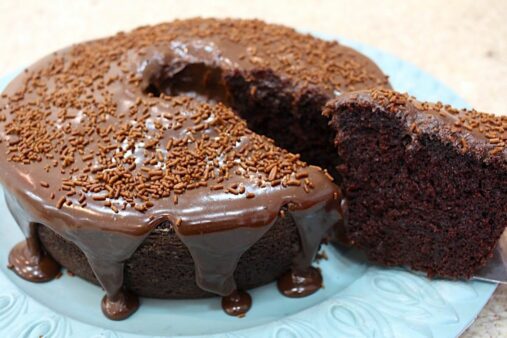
(81, 132)
(253, 44)
(483, 134)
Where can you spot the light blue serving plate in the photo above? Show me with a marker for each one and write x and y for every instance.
(359, 300)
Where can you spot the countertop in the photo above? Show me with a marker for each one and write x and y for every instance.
(461, 42)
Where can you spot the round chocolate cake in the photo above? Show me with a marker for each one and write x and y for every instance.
(171, 161)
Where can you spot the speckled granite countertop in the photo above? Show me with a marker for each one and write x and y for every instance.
(461, 42)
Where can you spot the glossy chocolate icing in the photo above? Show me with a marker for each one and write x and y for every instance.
(216, 226)
(121, 306)
(300, 283)
(237, 303)
(30, 262)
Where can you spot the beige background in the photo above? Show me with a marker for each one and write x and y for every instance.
(463, 43)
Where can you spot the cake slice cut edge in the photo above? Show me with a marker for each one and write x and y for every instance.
(426, 184)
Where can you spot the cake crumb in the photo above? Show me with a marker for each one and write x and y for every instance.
(322, 255)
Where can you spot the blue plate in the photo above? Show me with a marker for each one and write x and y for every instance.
(359, 300)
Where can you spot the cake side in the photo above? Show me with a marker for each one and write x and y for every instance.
(162, 266)
(426, 184)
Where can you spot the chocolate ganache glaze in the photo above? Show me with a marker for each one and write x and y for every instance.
(106, 140)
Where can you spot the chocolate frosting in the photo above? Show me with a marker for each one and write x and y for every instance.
(30, 262)
(300, 283)
(237, 303)
(77, 164)
(483, 135)
(121, 306)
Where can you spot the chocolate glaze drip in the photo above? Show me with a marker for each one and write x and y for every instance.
(32, 263)
(313, 224)
(105, 250)
(121, 306)
(300, 283)
(237, 303)
(217, 227)
(217, 254)
(27, 259)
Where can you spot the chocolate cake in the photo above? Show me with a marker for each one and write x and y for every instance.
(129, 160)
(426, 184)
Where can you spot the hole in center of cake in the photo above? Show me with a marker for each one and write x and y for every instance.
(197, 80)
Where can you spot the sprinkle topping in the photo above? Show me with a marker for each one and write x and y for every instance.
(82, 115)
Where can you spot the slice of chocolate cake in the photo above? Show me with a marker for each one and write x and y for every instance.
(426, 184)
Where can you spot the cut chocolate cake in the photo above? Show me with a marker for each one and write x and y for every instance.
(129, 160)
(426, 184)
(191, 159)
